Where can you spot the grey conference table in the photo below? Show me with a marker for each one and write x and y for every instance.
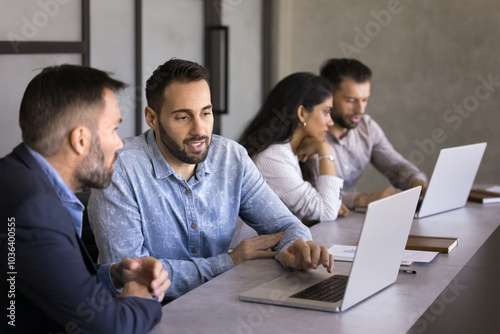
(214, 307)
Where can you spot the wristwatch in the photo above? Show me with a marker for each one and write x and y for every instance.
(329, 157)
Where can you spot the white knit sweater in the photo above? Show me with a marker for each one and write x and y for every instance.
(280, 167)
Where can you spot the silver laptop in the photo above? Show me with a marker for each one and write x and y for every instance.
(375, 266)
(451, 180)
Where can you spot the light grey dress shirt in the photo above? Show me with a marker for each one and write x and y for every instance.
(366, 144)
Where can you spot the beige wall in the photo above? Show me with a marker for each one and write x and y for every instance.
(427, 57)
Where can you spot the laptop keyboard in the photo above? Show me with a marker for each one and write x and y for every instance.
(329, 290)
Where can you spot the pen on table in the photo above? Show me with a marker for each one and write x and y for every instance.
(406, 271)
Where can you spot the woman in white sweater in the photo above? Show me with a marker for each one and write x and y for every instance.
(286, 140)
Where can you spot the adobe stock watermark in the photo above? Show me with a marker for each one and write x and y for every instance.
(31, 27)
(254, 320)
(372, 28)
(278, 124)
(251, 323)
(454, 117)
(87, 311)
(448, 296)
(11, 271)
(127, 98)
(225, 6)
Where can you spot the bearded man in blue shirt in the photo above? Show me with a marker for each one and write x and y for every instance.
(178, 190)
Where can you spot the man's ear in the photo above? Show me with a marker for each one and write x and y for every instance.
(80, 139)
(303, 114)
(151, 117)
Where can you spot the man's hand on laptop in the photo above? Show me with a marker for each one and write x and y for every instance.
(363, 199)
(256, 247)
(419, 182)
(344, 211)
(306, 255)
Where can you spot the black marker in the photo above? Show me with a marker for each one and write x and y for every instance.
(407, 271)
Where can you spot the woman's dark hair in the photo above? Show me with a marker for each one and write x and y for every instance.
(277, 120)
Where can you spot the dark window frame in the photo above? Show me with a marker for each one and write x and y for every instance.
(55, 47)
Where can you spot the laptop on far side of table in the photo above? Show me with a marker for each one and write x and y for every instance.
(451, 180)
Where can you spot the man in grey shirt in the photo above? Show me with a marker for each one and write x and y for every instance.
(357, 139)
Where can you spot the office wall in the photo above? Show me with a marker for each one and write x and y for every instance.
(244, 18)
(172, 28)
(30, 21)
(112, 49)
(436, 68)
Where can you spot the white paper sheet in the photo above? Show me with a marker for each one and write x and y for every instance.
(346, 253)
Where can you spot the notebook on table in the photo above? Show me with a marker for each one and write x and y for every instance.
(485, 196)
(431, 244)
(410, 256)
(451, 180)
(375, 266)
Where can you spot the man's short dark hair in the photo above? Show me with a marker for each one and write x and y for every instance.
(57, 100)
(335, 70)
(174, 70)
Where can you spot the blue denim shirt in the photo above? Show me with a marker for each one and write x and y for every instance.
(75, 209)
(149, 210)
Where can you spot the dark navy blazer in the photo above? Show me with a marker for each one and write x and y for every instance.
(55, 288)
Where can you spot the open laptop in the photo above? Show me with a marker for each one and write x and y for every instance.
(451, 180)
(375, 266)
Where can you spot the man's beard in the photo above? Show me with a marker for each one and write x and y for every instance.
(93, 172)
(342, 121)
(179, 153)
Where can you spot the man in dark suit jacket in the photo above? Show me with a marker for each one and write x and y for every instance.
(68, 119)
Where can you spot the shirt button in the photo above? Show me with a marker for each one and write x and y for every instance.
(193, 226)
(193, 250)
(187, 192)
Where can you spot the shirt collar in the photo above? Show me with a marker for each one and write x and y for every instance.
(162, 168)
(341, 141)
(65, 194)
(331, 137)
